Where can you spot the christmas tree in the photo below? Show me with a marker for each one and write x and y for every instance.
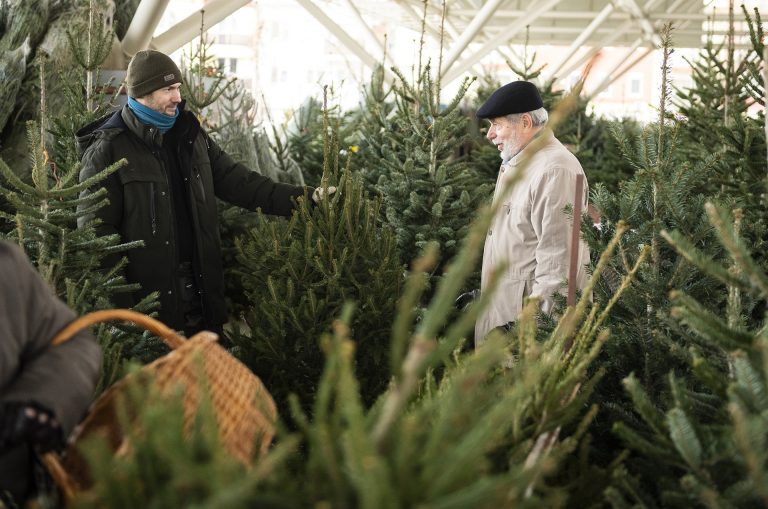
(297, 275)
(305, 136)
(412, 156)
(661, 195)
(726, 86)
(708, 445)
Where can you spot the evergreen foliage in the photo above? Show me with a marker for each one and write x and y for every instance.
(44, 201)
(490, 432)
(387, 411)
(672, 343)
(249, 144)
(305, 137)
(595, 145)
(710, 446)
(46, 227)
(297, 274)
(661, 195)
(44, 217)
(246, 139)
(168, 464)
(411, 155)
(726, 85)
(202, 82)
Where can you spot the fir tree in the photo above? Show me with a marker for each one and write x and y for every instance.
(596, 148)
(411, 154)
(726, 85)
(305, 137)
(661, 195)
(246, 139)
(297, 274)
(45, 202)
(203, 81)
(709, 446)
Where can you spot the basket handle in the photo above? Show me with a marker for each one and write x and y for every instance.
(60, 476)
(157, 327)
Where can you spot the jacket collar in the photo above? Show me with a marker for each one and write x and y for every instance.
(112, 121)
(186, 126)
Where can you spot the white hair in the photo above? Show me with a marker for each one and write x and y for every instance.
(539, 117)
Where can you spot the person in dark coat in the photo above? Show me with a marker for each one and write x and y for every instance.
(165, 196)
(44, 390)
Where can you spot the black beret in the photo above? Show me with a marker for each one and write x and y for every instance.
(515, 97)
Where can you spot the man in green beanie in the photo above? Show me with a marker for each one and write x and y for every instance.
(166, 195)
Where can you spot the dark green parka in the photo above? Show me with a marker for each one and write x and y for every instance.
(141, 207)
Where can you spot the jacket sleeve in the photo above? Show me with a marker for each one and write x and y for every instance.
(61, 378)
(109, 217)
(95, 160)
(239, 185)
(551, 194)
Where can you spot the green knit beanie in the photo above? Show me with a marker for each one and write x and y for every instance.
(150, 70)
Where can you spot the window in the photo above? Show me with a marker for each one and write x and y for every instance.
(233, 65)
(635, 85)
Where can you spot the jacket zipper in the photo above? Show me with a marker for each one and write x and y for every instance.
(196, 274)
(152, 209)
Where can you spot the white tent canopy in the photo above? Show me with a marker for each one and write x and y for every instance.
(472, 29)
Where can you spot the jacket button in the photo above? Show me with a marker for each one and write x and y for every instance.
(170, 292)
(167, 242)
(162, 193)
(186, 179)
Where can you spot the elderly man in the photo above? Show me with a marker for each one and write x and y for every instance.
(531, 231)
(166, 195)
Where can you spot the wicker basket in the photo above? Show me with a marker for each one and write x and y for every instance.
(244, 410)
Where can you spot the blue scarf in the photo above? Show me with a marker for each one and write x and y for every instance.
(151, 117)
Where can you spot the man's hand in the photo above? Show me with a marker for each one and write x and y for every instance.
(29, 422)
(465, 299)
(322, 193)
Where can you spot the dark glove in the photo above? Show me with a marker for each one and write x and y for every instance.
(465, 299)
(29, 422)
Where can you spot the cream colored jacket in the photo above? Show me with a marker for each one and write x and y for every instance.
(531, 232)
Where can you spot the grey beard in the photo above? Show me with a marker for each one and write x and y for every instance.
(507, 154)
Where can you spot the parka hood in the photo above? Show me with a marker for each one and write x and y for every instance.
(85, 135)
(114, 123)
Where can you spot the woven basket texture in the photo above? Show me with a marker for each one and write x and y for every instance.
(245, 411)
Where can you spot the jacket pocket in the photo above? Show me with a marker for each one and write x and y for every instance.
(145, 205)
(198, 184)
